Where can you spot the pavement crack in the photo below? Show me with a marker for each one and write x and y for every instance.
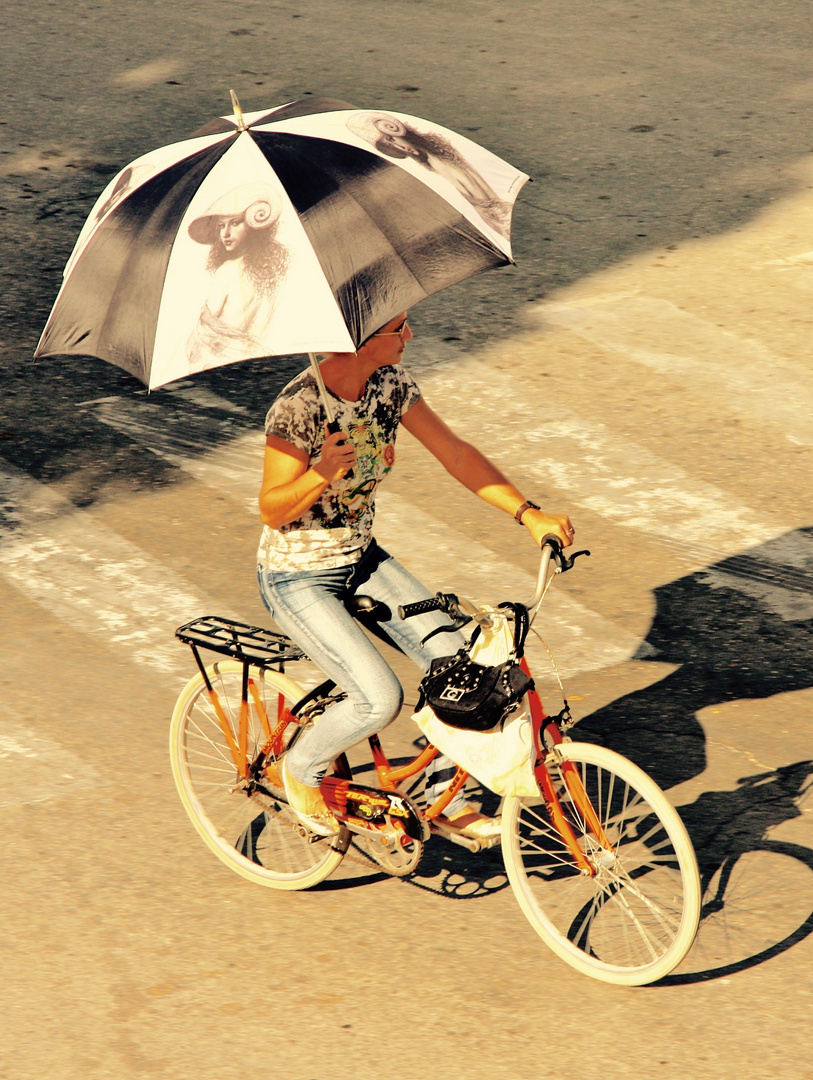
(743, 753)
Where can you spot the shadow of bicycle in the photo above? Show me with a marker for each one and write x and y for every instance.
(757, 890)
(741, 629)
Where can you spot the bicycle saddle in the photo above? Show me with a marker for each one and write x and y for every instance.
(365, 607)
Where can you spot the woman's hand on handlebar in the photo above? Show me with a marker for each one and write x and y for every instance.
(540, 525)
(338, 457)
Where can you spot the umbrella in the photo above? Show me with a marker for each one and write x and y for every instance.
(302, 229)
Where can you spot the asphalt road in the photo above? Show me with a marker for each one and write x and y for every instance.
(644, 367)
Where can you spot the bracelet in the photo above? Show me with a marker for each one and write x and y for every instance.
(525, 506)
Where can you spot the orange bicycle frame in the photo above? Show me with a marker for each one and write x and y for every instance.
(389, 777)
(239, 746)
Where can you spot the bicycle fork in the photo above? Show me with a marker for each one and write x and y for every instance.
(543, 726)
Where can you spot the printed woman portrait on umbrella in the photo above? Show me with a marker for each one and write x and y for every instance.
(317, 549)
(400, 140)
(247, 263)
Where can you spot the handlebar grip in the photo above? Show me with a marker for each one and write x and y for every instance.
(420, 607)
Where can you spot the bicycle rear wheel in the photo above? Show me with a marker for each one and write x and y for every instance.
(248, 825)
(635, 917)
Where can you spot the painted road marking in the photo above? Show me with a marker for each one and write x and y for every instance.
(96, 581)
(26, 778)
(580, 639)
(651, 331)
(699, 523)
(593, 467)
(432, 550)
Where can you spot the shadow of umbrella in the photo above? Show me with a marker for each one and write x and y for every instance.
(740, 629)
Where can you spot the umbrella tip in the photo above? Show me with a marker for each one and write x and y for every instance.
(238, 112)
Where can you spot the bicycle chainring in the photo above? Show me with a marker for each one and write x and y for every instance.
(397, 854)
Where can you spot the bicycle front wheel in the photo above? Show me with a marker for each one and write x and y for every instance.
(249, 826)
(633, 916)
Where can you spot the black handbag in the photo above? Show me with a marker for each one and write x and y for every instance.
(465, 694)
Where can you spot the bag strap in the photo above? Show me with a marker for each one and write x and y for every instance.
(522, 624)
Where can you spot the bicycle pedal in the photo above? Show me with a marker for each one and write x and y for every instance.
(369, 809)
(455, 836)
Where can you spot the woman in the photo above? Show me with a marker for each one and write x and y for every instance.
(317, 505)
(399, 140)
(247, 263)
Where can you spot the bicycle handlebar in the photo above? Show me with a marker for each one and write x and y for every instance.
(420, 607)
(552, 550)
(448, 602)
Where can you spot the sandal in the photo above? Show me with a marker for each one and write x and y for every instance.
(476, 826)
(308, 805)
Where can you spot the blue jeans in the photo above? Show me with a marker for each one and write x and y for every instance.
(309, 607)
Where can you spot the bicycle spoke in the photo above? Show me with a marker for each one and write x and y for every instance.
(633, 918)
(248, 829)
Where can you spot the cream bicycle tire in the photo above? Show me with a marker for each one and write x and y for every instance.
(258, 837)
(634, 920)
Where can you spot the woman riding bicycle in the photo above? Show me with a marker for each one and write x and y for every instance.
(317, 550)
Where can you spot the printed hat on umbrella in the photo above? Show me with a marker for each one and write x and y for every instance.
(259, 204)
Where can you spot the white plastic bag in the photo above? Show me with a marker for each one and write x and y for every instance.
(502, 760)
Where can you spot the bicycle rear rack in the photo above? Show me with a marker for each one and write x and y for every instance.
(249, 644)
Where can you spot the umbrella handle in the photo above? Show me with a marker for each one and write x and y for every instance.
(334, 426)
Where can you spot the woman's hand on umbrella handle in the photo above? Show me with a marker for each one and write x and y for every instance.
(338, 457)
(540, 525)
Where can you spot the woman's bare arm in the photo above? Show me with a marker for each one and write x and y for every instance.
(289, 486)
(470, 467)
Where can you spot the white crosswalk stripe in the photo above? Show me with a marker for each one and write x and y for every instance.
(96, 581)
(651, 331)
(582, 639)
(594, 468)
(104, 585)
(22, 780)
(196, 446)
(613, 477)
(699, 525)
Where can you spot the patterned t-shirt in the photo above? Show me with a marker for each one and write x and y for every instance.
(336, 529)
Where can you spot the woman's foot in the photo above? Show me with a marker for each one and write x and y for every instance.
(475, 825)
(308, 804)
(273, 774)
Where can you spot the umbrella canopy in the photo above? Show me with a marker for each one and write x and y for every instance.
(301, 229)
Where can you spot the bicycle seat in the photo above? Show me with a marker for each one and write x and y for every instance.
(365, 608)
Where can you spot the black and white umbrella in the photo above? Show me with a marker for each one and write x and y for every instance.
(302, 229)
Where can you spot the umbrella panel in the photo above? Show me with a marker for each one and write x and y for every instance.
(109, 304)
(384, 239)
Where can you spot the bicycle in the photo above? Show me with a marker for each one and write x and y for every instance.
(600, 862)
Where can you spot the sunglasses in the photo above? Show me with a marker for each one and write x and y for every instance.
(394, 333)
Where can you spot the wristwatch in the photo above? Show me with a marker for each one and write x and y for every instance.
(525, 506)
